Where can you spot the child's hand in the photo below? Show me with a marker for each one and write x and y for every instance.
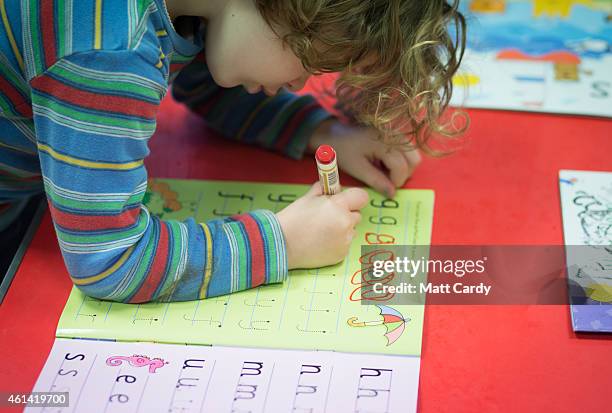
(319, 228)
(360, 154)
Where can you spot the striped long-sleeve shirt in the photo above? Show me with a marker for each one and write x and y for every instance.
(80, 86)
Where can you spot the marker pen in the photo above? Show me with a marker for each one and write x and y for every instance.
(328, 169)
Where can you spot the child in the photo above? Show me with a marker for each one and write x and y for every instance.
(80, 85)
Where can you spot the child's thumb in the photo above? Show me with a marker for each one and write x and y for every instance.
(315, 190)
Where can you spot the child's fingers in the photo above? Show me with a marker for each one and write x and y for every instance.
(375, 179)
(355, 217)
(353, 198)
(397, 165)
(414, 159)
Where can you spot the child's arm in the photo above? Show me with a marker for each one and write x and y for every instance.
(292, 125)
(283, 123)
(93, 114)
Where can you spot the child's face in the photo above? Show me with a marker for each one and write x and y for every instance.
(241, 49)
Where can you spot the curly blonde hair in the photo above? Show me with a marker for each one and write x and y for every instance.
(396, 60)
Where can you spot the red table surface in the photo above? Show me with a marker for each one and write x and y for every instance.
(502, 188)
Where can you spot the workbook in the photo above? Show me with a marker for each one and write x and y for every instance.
(586, 201)
(93, 375)
(315, 318)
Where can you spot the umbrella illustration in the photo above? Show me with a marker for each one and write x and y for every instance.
(393, 320)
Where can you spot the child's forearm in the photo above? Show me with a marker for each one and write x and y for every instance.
(283, 123)
(91, 147)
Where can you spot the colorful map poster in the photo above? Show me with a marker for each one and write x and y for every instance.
(541, 55)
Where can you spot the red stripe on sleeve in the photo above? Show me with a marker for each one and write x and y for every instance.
(47, 27)
(16, 98)
(207, 106)
(33, 178)
(96, 101)
(293, 124)
(175, 67)
(156, 273)
(258, 260)
(94, 222)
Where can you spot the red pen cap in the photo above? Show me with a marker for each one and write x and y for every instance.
(325, 154)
